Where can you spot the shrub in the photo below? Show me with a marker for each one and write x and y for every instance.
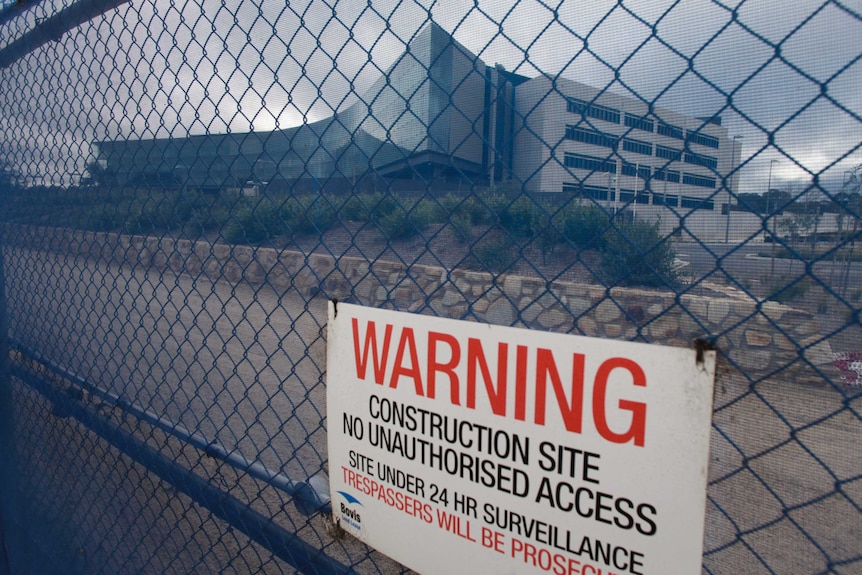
(406, 220)
(451, 204)
(495, 253)
(354, 209)
(521, 217)
(380, 206)
(312, 215)
(635, 254)
(462, 226)
(204, 219)
(397, 225)
(484, 209)
(253, 220)
(427, 211)
(583, 226)
(146, 214)
(547, 233)
(102, 218)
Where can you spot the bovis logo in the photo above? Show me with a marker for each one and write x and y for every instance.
(349, 515)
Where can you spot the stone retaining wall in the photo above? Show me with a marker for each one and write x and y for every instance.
(745, 331)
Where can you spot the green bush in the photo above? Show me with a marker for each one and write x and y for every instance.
(583, 226)
(406, 220)
(495, 253)
(451, 204)
(484, 209)
(315, 215)
(462, 226)
(397, 225)
(523, 217)
(253, 220)
(145, 214)
(204, 219)
(380, 206)
(428, 211)
(354, 209)
(104, 218)
(635, 254)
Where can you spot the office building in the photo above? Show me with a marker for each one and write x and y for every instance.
(441, 118)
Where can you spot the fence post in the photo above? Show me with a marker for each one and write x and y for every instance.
(8, 458)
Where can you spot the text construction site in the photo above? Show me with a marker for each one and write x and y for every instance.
(461, 447)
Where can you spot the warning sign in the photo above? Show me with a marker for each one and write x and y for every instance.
(458, 447)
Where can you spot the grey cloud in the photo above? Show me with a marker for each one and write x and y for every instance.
(155, 68)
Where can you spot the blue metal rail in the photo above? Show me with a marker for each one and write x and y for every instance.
(309, 496)
(282, 543)
(51, 28)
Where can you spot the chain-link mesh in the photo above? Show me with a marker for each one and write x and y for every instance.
(184, 185)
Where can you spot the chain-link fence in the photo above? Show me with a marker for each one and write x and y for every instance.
(185, 185)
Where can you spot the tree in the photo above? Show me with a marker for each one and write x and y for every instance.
(773, 201)
(751, 202)
(850, 200)
(10, 177)
(97, 174)
(10, 182)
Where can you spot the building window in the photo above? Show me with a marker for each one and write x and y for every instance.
(665, 199)
(591, 192)
(629, 169)
(591, 110)
(630, 196)
(701, 160)
(702, 139)
(668, 175)
(593, 137)
(638, 146)
(696, 203)
(668, 153)
(695, 180)
(591, 163)
(639, 123)
(670, 131)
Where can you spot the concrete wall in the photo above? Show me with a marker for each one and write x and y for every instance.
(711, 226)
(746, 329)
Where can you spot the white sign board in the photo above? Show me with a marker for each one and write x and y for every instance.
(459, 447)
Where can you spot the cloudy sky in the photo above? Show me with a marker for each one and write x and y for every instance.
(785, 76)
